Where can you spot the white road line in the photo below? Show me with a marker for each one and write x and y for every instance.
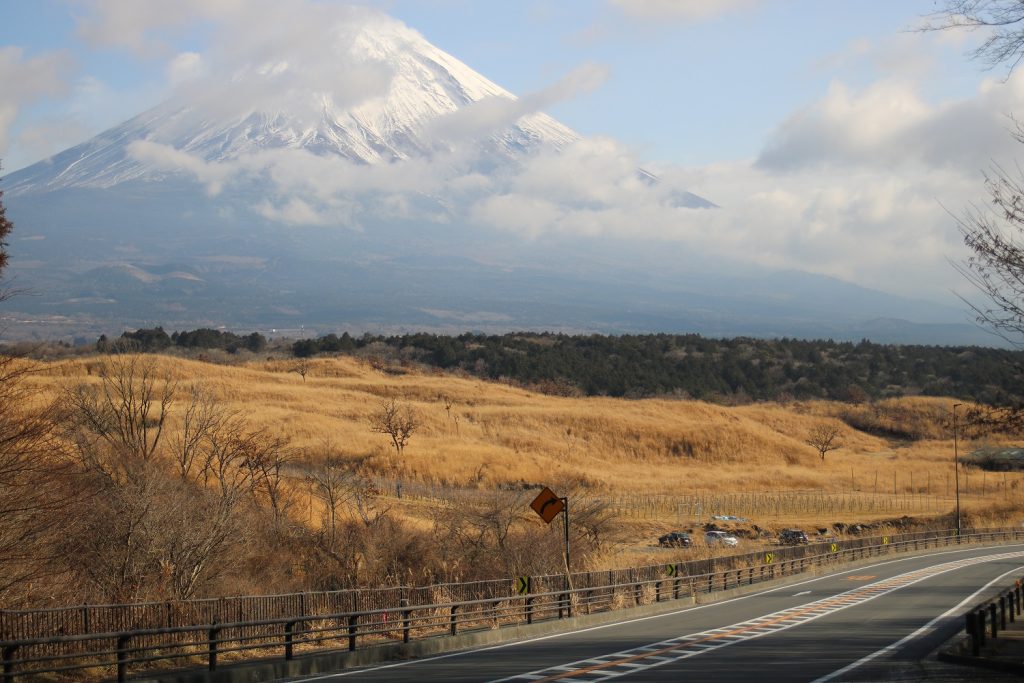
(919, 632)
(616, 624)
(717, 638)
(797, 595)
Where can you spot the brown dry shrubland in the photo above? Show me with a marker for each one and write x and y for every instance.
(333, 517)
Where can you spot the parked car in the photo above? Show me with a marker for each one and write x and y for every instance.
(721, 538)
(675, 539)
(793, 537)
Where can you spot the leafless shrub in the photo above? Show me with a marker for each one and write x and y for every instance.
(823, 438)
(398, 420)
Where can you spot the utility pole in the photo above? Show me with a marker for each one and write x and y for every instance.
(956, 470)
(565, 518)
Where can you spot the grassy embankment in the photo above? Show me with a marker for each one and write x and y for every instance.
(655, 457)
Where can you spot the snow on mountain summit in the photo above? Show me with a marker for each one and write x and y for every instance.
(374, 103)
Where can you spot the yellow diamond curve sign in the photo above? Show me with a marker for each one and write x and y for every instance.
(547, 505)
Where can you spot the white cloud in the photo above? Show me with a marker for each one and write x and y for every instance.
(683, 10)
(185, 67)
(852, 185)
(137, 24)
(165, 157)
(26, 81)
(888, 124)
(491, 115)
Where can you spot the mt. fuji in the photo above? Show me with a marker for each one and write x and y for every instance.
(374, 182)
(408, 89)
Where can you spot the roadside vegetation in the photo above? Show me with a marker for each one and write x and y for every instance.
(168, 477)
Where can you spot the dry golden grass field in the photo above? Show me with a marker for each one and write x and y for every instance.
(657, 458)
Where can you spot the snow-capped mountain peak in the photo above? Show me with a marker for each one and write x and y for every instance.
(377, 103)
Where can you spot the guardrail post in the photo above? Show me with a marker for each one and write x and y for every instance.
(122, 657)
(288, 640)
(971, 619)
(995, 622)
(1002, 612)
(1011, 606)
(404, 603)
(213, 634)
(8, 656)
(529, 609)
(637, 593)
(353, 624)
(453, 624)
(657, 591)
(675, 587)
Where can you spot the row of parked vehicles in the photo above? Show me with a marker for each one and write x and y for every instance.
(681, 539)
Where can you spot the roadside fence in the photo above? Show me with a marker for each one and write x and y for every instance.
(1005, 607)
(99, 640)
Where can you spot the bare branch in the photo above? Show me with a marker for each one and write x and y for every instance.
(823, 438)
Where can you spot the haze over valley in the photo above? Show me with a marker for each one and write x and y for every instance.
(366, 180)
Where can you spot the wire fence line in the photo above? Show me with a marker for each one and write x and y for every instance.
(697, 506)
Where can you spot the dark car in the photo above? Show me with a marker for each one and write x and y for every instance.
(793, 537)
(675, 539)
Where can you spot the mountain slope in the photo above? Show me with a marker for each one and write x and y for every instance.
(268, 199)
(418, 85)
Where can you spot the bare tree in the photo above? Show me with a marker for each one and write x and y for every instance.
(823, 439)
(335, 485)
(201, 417)
(165, 518)
(302, 367)
(118, 426)
(268, 457)
(996, 266)
(477, 531)
(398, 420)
(1000, 19)
(35, 487)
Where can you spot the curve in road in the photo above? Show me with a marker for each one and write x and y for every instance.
(858, 623)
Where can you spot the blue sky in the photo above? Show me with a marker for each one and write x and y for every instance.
(682, 89)
(835, 138)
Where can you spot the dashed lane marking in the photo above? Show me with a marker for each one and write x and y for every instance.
(638, 659)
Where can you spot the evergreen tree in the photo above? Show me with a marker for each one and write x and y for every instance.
(5, 229)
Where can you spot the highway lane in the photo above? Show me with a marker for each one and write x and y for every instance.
(808, 631)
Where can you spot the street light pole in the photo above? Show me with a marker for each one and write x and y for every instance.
(956, 466)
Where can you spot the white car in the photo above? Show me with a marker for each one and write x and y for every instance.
(721, 538)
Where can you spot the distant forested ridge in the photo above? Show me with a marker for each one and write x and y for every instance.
(697, 367)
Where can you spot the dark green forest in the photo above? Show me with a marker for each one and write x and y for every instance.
(692, 366)
(648, 365)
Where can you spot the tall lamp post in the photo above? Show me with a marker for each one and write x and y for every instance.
(956, 466)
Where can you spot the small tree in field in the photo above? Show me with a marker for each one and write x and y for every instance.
(823, 438)
(398, 420)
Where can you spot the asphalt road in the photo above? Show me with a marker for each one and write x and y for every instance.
(864, 624)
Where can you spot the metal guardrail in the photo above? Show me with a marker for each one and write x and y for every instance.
(551, 597)
(1007, 604)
